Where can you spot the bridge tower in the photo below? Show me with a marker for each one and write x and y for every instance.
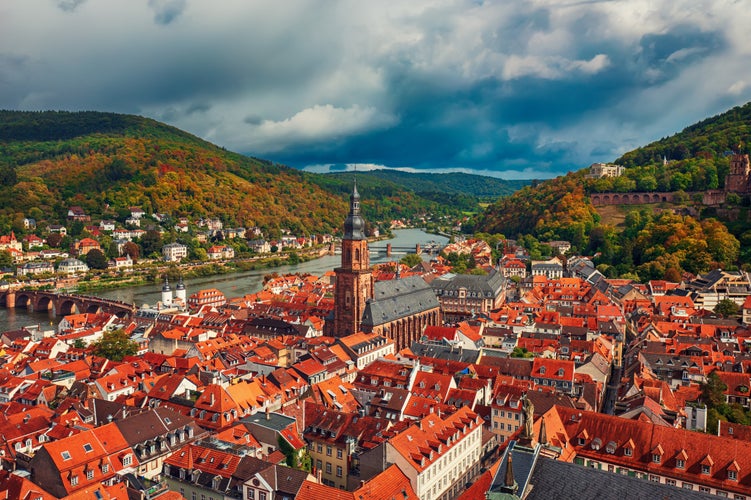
(166, 293)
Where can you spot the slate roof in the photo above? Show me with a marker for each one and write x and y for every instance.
(443, 351)
(555, 479)
(489, 285)
(397, 299)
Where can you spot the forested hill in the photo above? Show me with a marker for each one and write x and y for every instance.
(453, 183)
(645, 241)
(107, 162)
(710, 138)
(457, 190)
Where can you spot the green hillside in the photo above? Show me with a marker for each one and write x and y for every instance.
(106, 162)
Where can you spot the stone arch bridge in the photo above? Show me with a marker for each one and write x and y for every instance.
(63, 304)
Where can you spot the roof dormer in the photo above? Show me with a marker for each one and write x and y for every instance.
(706, 465)
(657, 453)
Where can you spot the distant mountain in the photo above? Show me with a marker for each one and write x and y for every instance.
(107, 162)
(480, 186)
(447, 193)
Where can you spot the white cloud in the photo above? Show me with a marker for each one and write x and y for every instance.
(320, 123)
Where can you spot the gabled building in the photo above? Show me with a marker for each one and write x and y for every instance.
(82, 460)
(686, 460)
(439, 455)
(155, 434)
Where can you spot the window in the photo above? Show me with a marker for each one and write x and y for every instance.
(670, 482)
(706, 469)
(251, 494)
(688, 486)
(320, 448)
(338, 471)
(319, 464)
(680, 464)
(127, 459)
(261, 495)
(65, 454)
(656, 458)
(73, 480)
(705, 489)
(88, 448)
(627, 451)
(732, 475)
(328, 467)
(339, 453)
(654, 479)
(105, 468)
(90, 474)
(328, 451)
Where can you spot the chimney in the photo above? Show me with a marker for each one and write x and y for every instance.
(212, 400)
(268, 415)
(319, 472)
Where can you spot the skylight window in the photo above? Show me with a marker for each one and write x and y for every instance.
(66, 455)
(88, 448)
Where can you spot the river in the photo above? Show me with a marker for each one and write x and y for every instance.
(231, 285)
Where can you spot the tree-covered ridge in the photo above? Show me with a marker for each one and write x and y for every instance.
(106, 162)
(695, 159)
(552, 210)
(709, 138)
(384, 199)
(453, 183)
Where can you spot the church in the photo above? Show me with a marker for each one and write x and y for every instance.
(398, 309)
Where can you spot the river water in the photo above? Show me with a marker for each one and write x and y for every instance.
(231, 285)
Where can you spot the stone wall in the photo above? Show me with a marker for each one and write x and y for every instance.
(710, 198)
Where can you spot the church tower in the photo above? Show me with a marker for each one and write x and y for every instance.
(354, 279)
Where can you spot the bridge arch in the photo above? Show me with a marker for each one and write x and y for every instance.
(92, 307)
(68, 306)
(43, 303)
(24, 300)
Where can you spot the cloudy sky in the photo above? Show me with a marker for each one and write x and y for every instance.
(512, 88)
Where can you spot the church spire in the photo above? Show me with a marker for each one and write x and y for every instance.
(354, 224)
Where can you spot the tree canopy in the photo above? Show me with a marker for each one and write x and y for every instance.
(115, 345)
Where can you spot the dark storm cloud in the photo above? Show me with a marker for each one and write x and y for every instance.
(520, 87)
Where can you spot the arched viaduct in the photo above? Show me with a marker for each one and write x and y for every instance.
(63, 304)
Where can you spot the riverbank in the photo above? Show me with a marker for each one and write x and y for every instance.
(232, 283)
(155, 274)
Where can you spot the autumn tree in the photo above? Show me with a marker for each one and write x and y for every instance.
(132, 250)
(54, 240)
(115, 345)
